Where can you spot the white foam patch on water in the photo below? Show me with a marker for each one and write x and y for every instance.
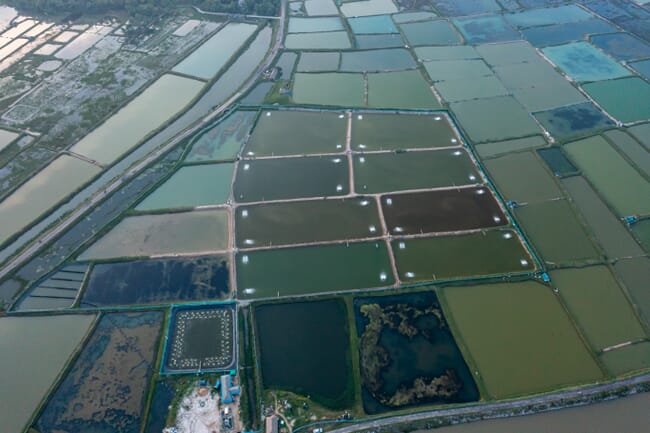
(438, 118)
(339, 188)
(360, 117)
(249, 242)
(362, 146)
(472, 177)
(402, 245)
(339, 146)
(364, 202)
(409, 275)
(247, 166)
(362, 160)
(497, 219)
(523, 262)
(268, 114)
(336, 160)
(389, 201)
(249, 291)
(507, 235)
(244, 259)
(341, 116)
(244, 213)
(458, 153)
(372, 229)
(453, 140)
(480, 191)
(398, 229)
(383, 276)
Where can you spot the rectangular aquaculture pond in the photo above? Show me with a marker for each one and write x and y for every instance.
(315, 269)
(191, 186)
(407, 354)
(441, 211)
(322, 368)
(201, 338)
(375, 131)
(290, 178)
(395, 171)
(149, 235)
(34, 351)
(510, 330)
(486, 253)
(294, 132)
(158, 281)
(223, 140)
(106, 387)
(306, 221)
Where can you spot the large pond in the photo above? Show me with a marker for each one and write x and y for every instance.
(407, 354)
(311, 326)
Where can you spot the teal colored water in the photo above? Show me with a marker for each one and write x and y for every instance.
(622, 46)
(198, 185)
(366, 42)
(642, 67)
(312, 25)
(548, 16)
(562, 33)
(491, 28)
(625, 99)
(583, 62)
(372, 25)
(393, 59)
(439, 32)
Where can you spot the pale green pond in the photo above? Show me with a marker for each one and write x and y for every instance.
(215, 53)
(196, 185)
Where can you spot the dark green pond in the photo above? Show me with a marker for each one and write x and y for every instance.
(304, 348)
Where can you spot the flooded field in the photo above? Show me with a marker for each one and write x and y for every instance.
(463, 256)
(158, 281)
(526, 322)
(60, 290)
(288, 178)
(374, 131)
(610, 232)
(368, 7)
(557, 162)
(319, 61)
(224, 140)
(402, 89)
(599, 306)
(624, 99)
(297, 133)
(312, 25)
(6, 138)
(367, 42)
(307, 270)
(557, 34)
(392, 59)
(337, 89)
(573, 120)
(556, 233)
(621, 46)
(441, 211)
(510, 120)
(439, 32)
(150, 235)
(106, 387)
(509, 171)
(407, 354)
(386, 172)
(636, 152)
(489, 28)
(496, 148)
(55, 182)
(583, 62)
(620, 184)
(378, 24)
(628, 359)
(201, 339)
(215, 53)
(196, 185)
(306, 221)
(122, 131)
(641, 230)
(312, 326)
(626, 415)
(24, 340)
(318, 41)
